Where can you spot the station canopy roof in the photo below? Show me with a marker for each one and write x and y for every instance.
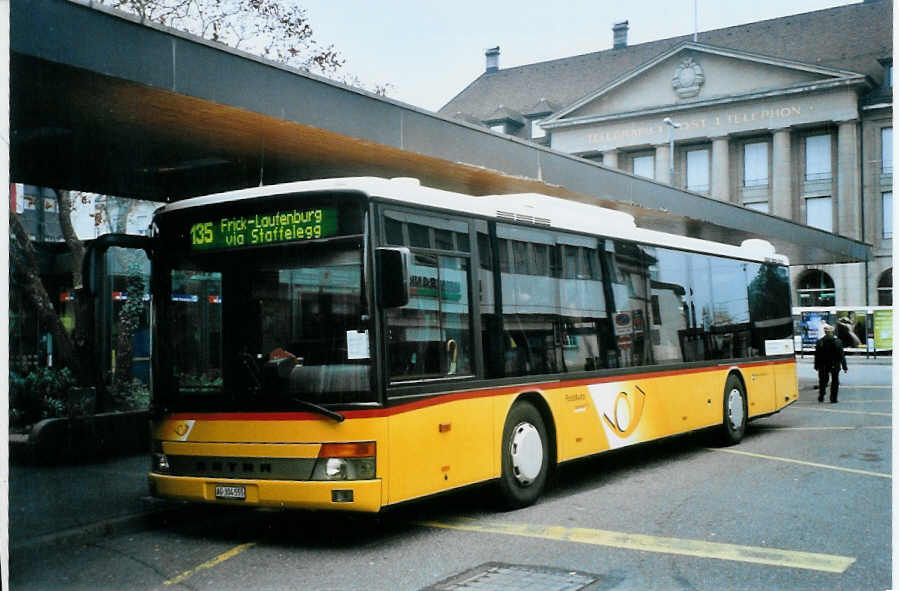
(101, 102)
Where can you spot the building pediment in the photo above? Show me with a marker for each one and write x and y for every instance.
(694, 74)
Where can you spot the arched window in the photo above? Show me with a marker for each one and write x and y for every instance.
(816, 289)
(885, 288)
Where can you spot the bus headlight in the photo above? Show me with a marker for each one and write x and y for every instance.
(336, 469)
(345, 461)
(161, 463)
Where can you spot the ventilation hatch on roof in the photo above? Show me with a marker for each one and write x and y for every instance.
(524, 218)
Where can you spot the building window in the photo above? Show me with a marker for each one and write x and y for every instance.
(819, 213)
(501, 127)
(887, 201)
(698, 171)
(761, 206)
(885, 288)
(817, 158)
(537, 132)
(645, 166)
(816, 289)
(886, 150)
(755, 164)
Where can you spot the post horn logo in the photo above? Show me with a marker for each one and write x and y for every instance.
(628, 409)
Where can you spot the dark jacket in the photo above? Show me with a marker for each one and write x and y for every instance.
(829, 353)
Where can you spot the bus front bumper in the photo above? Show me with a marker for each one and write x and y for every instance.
(344, 495)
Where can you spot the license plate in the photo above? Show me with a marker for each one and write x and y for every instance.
(238, 493)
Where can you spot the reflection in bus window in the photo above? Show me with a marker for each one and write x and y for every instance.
(408, 229)
(699, 307)
(630, 291)
(195, 323)
(553, 302)
(294, 306)
(769, 304)
(430, 337)
(729, 332)
(669, 310)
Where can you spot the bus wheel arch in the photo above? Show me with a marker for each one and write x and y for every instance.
(527, 450)
(735, 409)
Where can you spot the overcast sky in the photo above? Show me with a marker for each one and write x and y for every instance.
(429, 51)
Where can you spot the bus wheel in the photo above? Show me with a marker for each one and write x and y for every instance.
(734, 426)
(525, 456)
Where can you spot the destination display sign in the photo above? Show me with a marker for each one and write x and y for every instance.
(260, 229)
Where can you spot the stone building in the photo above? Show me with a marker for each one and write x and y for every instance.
(788, 116)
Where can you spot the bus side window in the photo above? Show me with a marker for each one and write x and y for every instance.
(768, 289)
(631, 293)
(430, 337)
(669, 282)
(553, 302)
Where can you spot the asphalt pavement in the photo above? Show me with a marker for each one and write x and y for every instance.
(65, 503)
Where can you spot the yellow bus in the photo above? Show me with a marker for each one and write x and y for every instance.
(356, 343)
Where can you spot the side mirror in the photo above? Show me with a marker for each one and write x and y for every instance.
(393, 276)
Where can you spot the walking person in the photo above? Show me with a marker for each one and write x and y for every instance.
(829, 357)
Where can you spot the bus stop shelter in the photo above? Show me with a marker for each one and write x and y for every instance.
(101, 102)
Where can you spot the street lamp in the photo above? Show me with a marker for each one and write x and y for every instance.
(671, 127)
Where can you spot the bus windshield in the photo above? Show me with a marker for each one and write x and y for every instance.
(265, 329)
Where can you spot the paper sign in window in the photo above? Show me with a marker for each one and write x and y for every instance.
(356, 344)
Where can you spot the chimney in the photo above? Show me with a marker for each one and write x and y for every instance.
(492, 56)
(619, 35)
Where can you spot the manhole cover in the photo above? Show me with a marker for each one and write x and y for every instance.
(496, 576)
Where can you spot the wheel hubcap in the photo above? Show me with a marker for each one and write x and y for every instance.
(735, 408)
(527, 453)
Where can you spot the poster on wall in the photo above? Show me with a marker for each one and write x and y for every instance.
(852, 328)
(812, 323)
(883, 330)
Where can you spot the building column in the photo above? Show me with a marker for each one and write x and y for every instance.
(847, 203)
(610, 158)
(782, 175)
(663, 164)
(720, 188)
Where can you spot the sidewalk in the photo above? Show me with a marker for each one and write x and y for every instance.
(50, 504)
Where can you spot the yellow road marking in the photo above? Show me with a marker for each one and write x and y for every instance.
(845, 412)
(791, 461)
(598, 537)
(210, 563)
(858, 428)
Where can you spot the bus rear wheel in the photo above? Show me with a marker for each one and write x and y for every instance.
(734, 424)
(525, 456)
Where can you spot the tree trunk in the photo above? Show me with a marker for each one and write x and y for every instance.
(84, 335)
(68, 233)
(27, 270)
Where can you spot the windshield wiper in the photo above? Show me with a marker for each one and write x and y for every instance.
(249, 364)
(319, 409)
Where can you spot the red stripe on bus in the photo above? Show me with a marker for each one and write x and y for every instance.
(435, 399)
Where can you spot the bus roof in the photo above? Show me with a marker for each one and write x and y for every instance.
(528, 208)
